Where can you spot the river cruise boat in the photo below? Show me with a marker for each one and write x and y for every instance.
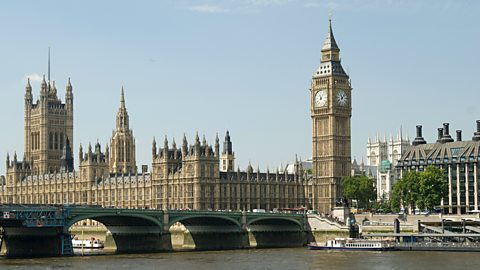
(354, 244)
(91, 243)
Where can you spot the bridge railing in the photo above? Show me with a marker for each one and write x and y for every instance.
(32, 216)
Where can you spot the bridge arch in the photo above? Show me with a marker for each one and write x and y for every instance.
(206, 231)
(106, 219)
(131, 233)
(275, 220)
(205, 220)
(275, 231)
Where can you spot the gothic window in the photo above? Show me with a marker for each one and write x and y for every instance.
(50, 141)
(212, 170)
(61, 140)
(202, 171)
(56, 140)
(37, 139)
(127, 150)
(32, 140)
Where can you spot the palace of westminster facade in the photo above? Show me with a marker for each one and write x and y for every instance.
(196, 176)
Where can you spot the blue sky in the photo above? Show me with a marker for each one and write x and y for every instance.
(245, 66)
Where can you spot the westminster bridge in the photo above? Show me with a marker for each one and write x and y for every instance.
(38, 230)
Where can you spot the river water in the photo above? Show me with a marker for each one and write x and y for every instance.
(275, 259)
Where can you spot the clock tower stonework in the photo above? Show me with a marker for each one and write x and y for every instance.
(331, 111)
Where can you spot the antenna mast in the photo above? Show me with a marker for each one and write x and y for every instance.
(48, 67)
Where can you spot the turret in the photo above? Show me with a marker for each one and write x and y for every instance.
(165, 147)
(80, 153)
(53, 90)
(217, 146)
(154, 149)
(69, 95)
(197, 145)
(107, 152)
(174, 147)
(28, 94)
(184, 146)
(227, 159)
(8, 160)
(43, 89)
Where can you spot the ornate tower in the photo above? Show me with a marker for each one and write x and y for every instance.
(122, 143)
(48, 125)
(331, 110)
(228, 156)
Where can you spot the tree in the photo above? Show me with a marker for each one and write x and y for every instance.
(406, 190)
(432, 187)
(359, 188)
(423, 189)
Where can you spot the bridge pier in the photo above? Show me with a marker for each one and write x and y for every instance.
(214, 240)
(142, 239)
(276, 239)
(35, 242)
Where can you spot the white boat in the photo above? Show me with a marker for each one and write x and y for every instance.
(354, 244)
(91, 243)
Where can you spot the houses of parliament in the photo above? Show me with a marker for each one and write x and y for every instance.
(194, 174)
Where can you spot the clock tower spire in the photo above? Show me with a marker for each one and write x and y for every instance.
(331, 112)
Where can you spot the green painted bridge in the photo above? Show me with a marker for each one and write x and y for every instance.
(33, 230)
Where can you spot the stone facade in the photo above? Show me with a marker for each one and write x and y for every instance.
(193, 176)
(382, 157)
(459, 161)
(331, 111)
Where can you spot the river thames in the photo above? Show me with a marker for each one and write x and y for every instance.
(275, 259)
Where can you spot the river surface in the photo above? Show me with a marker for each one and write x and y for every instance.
(275, 259)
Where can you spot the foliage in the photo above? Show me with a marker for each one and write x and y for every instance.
(423, 189)
(360, 188)
(433, 188)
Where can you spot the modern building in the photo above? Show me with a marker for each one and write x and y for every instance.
(191, 176)
(459, 161)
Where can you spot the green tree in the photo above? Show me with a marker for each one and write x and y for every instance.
(433, 188)
(359, 188)
(406, 190)
(423, 189)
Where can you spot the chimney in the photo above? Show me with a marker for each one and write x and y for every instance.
(446, 133)
(440, 135)
(459, 135)
(476, 135)
(419, 139)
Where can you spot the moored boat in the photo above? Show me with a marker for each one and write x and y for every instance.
(91, 243)
(353, 244)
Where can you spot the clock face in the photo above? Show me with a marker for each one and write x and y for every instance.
(321, 98)
(342, 98)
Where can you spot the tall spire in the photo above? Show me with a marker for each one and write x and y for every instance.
(330, 43)
(48, 66)
(122, 115)
(122, 99)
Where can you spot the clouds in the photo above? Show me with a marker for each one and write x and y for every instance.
(208, 8)
(34, 77)
(240, 6)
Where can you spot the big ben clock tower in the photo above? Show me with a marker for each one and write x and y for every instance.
(331, 109)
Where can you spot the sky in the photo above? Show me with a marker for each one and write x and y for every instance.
(209, 66)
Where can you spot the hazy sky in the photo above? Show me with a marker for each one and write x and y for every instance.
(245, 66)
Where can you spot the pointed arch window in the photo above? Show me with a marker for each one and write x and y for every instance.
(56, 140)
(61, 140)
(50, 141)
